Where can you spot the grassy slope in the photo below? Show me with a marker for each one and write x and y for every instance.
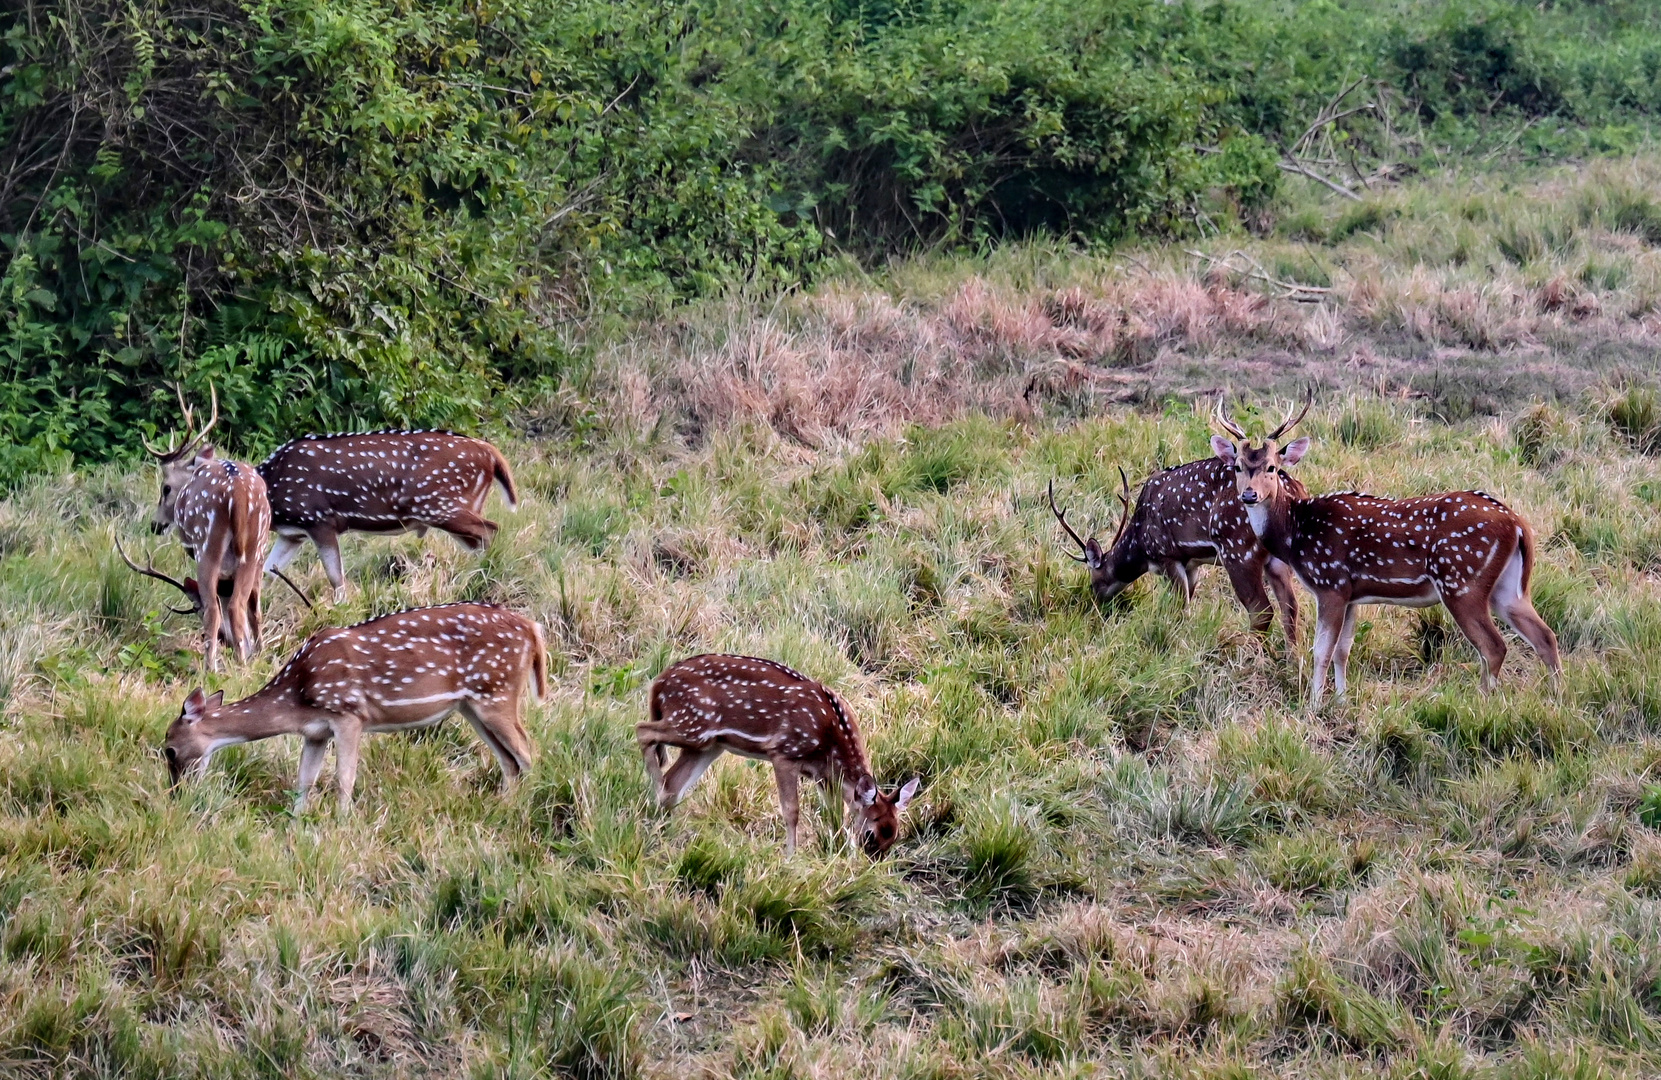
(1133, 847)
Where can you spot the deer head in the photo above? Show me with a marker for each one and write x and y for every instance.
(879, 814)
(180, 461)
(188, 586)
(189, 741)
(1110, 573)
(1259, 471)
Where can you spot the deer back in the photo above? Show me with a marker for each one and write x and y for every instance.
(1383, 546)
(1192, 509)
(221, 494)
(759, 708)
(381, 480)
(416, 662)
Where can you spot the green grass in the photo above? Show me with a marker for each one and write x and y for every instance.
(1134, 847)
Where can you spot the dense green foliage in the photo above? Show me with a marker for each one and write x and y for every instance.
(361, 211)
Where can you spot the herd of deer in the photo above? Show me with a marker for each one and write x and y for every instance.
(413, 668)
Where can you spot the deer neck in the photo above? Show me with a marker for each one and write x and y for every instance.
(1272, 522)
(1128, 558)
(266, 713)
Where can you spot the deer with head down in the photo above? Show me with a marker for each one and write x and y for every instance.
(219, 509)
(396, 673)
(714, 703)
(1462, 549)
(380, 482)
(1186, 517)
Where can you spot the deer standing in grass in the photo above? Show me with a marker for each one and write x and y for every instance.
(221, 513)
(715, 703)
(1463, 549)
(382, 482)
(1185, 517)
(395, 673)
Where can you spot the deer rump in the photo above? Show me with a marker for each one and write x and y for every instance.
(386, 482)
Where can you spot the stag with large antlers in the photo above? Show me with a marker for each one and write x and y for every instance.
(1186, 517)
(395, 673)
(219, 509)
(1463, 549)
(755, 708)
(383, 482)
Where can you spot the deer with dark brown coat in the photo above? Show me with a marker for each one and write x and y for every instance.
(219, 508)
(1463, 549)
(714, 703)
(396, 673)
(381, 482)
(1186, 517)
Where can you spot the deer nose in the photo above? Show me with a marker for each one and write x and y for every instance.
(1248, 496)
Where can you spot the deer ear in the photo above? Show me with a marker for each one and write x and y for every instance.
(217, 699)
(205, 454)
(196, 706)
(1093, 556)
(1223, 448)
(1295, 449)
(865, 791)
(907, 792)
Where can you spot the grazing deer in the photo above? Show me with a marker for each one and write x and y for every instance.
(1464, 549)
(382, 482)
(193, 591)
(220, 511)
(1185, 517)
(760, 709)
(395, 673)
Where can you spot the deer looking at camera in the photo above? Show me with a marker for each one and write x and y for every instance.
(382, 482)
(395, 673)
(1463, 549)
(220, 511)
(1185, 517)
(755, 708)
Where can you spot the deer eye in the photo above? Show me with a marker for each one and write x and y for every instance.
(166, 490)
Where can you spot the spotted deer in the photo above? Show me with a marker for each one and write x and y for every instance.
(395, 673)
(382, 482)
(1186, 517)
(1463, 549)
(219, 509)
(756, 708)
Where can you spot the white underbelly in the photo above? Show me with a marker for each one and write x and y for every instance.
(411, 725)
(1429, 598)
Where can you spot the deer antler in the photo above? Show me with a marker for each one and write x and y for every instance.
(1221, 419)
(1124, 501)
(1061, 516)
(173, 453)
(1292, 421)
(151, 571)
(297, 590)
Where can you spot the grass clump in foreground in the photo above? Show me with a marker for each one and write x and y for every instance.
(1134, 849)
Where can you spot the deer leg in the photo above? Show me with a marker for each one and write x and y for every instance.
(207, 586)
(474, 532)
(1286, 596)
(1177, 574)
(327, 539)
(1471, 616)
(686, 770)
(244, 588)
(497, 723)
(1247, 579)
(283, 550)
(1341, 653)
(311, 763)
(1329, 624)
(348, 732)
(1512, 606)
(789, 777)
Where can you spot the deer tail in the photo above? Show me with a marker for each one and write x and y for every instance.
(539, 660)
(504, 476)
(1525, 544)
